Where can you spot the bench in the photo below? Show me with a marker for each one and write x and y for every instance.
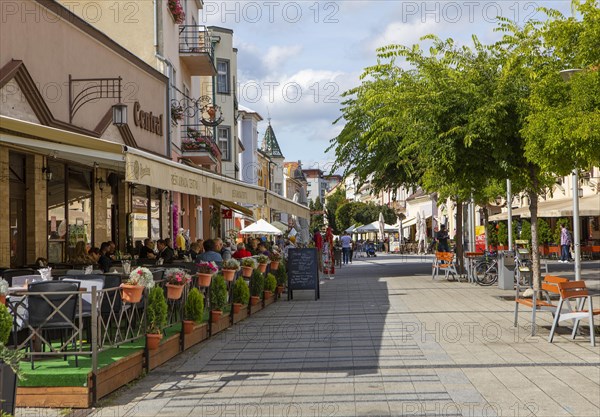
(549, 286)
(577, 291)
(445, 262)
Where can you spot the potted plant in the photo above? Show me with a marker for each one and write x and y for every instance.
(241, 295)
(275, 258)
(132, 289)
(3, 290)
(156, 316)
(176, 11)
(176, 281)
(257, 284)
(9, 366)
(248, 265)
(270, 284)
(218, 297)
(193, 310)
(230, 267)
(281, 275)
(205, 272)
(262, 262)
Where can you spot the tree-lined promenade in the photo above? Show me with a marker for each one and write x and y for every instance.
(459, 120)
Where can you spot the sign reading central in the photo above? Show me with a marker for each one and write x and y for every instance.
(147, 121)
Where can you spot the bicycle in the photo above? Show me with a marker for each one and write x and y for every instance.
(486, 270)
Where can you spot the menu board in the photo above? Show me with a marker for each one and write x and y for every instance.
(303, 271)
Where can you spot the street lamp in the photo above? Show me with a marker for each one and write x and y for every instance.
(566, 76)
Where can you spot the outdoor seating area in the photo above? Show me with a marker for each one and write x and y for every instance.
(83, 331)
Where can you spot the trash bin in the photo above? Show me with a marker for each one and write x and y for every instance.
(506, 270)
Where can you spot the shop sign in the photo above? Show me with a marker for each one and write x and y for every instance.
(227, 213)
(147, 120)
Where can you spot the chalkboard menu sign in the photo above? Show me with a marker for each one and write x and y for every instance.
(303, 271)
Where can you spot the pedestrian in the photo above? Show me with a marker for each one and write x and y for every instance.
(166, 255)
(442, 239)
(346, 242)
(565, 244)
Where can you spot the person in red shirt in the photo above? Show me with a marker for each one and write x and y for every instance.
(241, 252)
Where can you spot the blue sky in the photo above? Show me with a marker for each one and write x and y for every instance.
(295, 58)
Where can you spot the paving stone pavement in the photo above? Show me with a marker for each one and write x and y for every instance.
(383, 340)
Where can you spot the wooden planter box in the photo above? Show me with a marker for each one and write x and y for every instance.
(223, 323)
(255, 309)
(242, 315)
(167, 349)
(270, 300)
(55, 397)
(118, 374)
(199, 334)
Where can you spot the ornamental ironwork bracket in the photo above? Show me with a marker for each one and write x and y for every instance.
(94, 89)
(211, 115)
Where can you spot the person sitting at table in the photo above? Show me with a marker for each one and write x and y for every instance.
(80, 256)
(262, 249)
(104, 261)
(164, 252)
(194, 250)
(241, 252)
(147, 251)
(112, 249)
(94, 255)
(210, 254)
(41, 262)
(221, 249)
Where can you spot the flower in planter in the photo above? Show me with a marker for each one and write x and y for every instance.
(3, 286)
(231, 264)
(141, 276)
(275, 256)
(176, 276)
(177, 11)
(251, 262)
(262, 259)
(207, 268)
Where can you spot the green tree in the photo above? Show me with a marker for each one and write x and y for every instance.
(332, 203)
(316, 217)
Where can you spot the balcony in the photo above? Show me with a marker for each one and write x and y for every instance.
(195, 50)
(198, 145)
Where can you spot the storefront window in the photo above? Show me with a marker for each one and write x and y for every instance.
(57, 222)
(155, 215)
(80, 208)
(17, 209)
(139, 213)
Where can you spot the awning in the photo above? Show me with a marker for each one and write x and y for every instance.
(588, 206)
(518, 212)
(236, 207)
(281, 204)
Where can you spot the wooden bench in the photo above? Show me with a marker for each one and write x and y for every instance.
(549, 286)
(576, 291)
(445, 262)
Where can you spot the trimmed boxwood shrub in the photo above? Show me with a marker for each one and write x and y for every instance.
(241, 292)
(218, 292)
(257, 283)
(270, 282)
(156, 311)
(194, 306)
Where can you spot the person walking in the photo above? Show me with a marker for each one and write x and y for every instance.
(565, 244)
(346, 242)
(442, 239)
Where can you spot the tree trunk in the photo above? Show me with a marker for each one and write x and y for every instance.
(458, 237)
(535, 254)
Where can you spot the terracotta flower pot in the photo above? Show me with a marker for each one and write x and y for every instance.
(254, 300)
(204, 280)
(188, 326)
(131, 293)
(247, 271)
(262, 267)
(174, 291)
(228, 274)
(274, 265)
(268, 294)
(215, 315)
(153, 340)
(236, 308)
(279, 289)
(2, 298)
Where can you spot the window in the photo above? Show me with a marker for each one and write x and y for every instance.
(222, 76)
(278, 188)
(223, 142)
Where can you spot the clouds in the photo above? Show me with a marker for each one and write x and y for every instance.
(276, 56)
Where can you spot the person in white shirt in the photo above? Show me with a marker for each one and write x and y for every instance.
(346, 244)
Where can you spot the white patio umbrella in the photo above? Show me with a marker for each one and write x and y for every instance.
(261, 227)
(381, 226)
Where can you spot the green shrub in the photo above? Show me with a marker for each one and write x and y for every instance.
(257, 283)
(6, 323)
(281, 274)
(241, 292)
(218, 292)
(502, 234)
(270, 282)
(526, 232)
(156, 311)
(194, 306)
(544, 232)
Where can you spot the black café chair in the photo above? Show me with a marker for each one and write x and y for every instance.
(8, 274)
(44, 314)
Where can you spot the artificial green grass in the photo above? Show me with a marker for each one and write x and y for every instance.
(57, 372)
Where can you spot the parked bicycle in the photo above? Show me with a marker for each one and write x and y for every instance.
(486, 269)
